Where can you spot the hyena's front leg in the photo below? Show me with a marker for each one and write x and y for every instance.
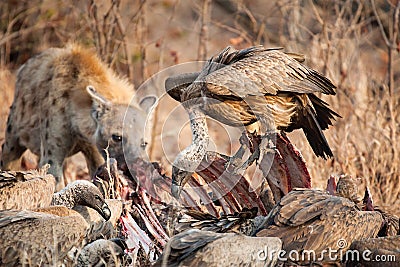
(93, 158)
(55, 147)
(56, 168)
(11, 153)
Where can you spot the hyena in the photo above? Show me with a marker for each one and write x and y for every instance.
(67, 101)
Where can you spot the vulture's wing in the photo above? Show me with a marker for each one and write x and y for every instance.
(184, 246)
(25, 189)
(314, 220)
(46, 237)
(388, 242)
(258, 71)
(205, 248)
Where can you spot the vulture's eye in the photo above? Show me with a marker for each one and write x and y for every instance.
(97, 197)
(116, 138)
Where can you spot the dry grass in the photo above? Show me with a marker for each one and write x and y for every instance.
(342, 39)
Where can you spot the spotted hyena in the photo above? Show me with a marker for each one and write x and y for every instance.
(66, 101)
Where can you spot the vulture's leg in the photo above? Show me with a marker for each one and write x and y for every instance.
(259, 145)
(236, 160)
(212, 154)
(267, 145)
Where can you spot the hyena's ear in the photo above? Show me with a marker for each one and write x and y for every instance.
(100, 104)
(147, 102)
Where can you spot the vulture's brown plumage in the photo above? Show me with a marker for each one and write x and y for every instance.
(244, 222)
(308, 220)
(204, 248)
(382, 251)
(313, 220)
(35, 189)
(99, 227)
(39, 238)
(43, 236)
(26, 189)
(85, 193)
(240, 87)
(102, 252)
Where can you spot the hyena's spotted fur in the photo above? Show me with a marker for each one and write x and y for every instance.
(66, 101)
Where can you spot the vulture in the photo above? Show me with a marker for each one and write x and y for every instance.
(39, 238)
(313, 220)
(102, 252)
(34, 189)
(26, 189)
(82, 192)
(346, 187)
(243, 222)
(205, 248)
(241, 87)
(43, 236)
(99, 227)
(307, 220)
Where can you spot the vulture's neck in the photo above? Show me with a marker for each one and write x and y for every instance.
(190, 158)
(68, 196)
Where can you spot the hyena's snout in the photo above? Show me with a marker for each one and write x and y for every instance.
(121, 132)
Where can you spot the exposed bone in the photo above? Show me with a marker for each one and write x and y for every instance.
(136, 238)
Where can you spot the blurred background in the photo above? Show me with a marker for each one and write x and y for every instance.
(354, 43)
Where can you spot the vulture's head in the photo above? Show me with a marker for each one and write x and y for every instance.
(104, 253)
(89, 195)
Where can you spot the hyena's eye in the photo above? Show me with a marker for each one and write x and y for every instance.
(116, 138)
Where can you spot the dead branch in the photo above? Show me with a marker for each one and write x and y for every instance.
(203, 37)
(110, 33)
(390, 41)
(242, 34)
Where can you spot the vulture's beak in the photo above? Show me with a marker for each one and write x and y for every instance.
(105, 212)
(179, 179)
(176, 190)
